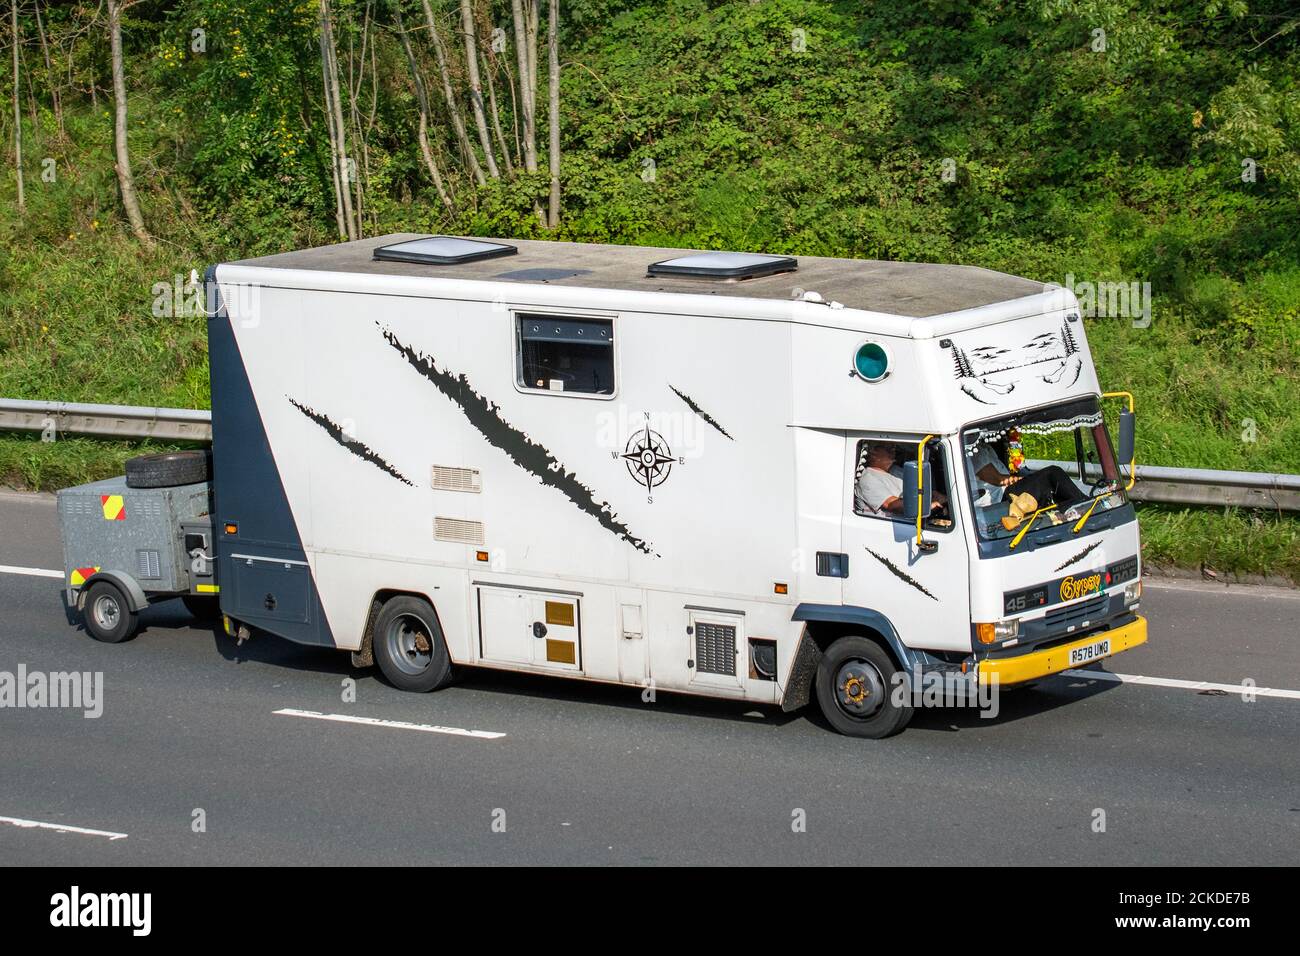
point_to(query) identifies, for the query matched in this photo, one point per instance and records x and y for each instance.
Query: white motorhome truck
(696, 471)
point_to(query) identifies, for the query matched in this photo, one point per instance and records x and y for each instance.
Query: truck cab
(993, 518)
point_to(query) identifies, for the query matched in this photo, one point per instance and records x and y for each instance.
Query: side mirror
(912, 478)
(1127, 436)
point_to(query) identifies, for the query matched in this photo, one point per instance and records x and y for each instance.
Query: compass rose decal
(648, 459)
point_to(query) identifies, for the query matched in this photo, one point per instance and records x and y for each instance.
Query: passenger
(991, 472)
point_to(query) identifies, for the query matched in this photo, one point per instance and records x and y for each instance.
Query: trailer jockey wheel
(856, 689)
(408, 645)
(107, 613)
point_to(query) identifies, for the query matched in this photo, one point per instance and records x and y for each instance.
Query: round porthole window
(871, 361)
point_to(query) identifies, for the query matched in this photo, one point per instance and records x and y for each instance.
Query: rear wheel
(856, 687)
(408, 645)
(107, 613)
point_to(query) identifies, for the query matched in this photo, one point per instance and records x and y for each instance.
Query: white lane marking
(395, 724)
(1222, 588)
(1182, 684)
(32, 572)
(61, 828)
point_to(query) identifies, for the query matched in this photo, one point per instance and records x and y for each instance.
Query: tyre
(107, 613)
(856, 689)
(168, 470)
(408, 645)
(202, 606)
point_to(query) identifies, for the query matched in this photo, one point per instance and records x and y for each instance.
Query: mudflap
(803, 672)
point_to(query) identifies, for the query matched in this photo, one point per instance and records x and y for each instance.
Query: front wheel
(408, 645)
(107, 613)
(858, 691)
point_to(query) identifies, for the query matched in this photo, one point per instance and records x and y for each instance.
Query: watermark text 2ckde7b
(78, 690)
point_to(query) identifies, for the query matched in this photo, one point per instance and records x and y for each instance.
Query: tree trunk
(334, 111)
(422, 101)
(56, 97)
(525, 71)
(339, 223)
(553, 107)
(18, 116)
(476, 86)
(125, 181)
(453, 109)
(496, 120)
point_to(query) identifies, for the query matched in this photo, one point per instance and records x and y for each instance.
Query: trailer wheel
(107, 614)
(855, 689)
(202, 606)
(409, 647)
(168, 469)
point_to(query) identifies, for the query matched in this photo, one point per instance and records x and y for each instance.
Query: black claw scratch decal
(699, 411)
(971, 392)
(485, 416)
(1078, 557)
(901, 574)
(360, 449)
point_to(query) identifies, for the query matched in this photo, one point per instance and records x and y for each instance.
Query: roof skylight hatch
(723, 265)
(443, 250)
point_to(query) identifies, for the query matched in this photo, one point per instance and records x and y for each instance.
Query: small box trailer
(139, 538)
(736, 475)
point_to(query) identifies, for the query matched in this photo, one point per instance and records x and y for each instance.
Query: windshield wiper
(1078, 525)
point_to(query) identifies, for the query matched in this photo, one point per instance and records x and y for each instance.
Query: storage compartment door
(269, 589)
(555, 631)
(505, 625)
(526, 626)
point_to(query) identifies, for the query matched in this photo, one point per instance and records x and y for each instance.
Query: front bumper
(1053, 660)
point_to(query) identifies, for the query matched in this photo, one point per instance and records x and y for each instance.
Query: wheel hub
(410, 645)
(107, 613)
(860, 689)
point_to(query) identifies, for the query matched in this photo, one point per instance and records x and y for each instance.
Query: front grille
(1076, 613)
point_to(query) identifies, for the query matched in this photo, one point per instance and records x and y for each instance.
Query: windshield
(1042, 468)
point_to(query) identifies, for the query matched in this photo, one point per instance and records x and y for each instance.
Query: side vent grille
(447, 478)
(147, 565)
(715, 648)
(458, 530)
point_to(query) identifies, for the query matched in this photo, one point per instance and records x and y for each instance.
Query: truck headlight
(1132, 592)
(997, 631)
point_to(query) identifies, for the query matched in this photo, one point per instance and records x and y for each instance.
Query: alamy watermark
(1112, 300)
(930, 689)
(76, 690)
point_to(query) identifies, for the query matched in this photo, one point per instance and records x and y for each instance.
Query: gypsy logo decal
(1073, 587)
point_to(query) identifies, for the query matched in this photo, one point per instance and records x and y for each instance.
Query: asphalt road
(590, 774)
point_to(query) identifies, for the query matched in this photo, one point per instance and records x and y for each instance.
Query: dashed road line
(1183, 684)
(391, 724)
(31, 572)
(60, 828)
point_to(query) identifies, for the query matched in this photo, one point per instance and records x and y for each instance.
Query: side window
(561, 354)
(878, 479)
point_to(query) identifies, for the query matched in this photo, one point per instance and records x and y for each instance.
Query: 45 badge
(648, 459)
